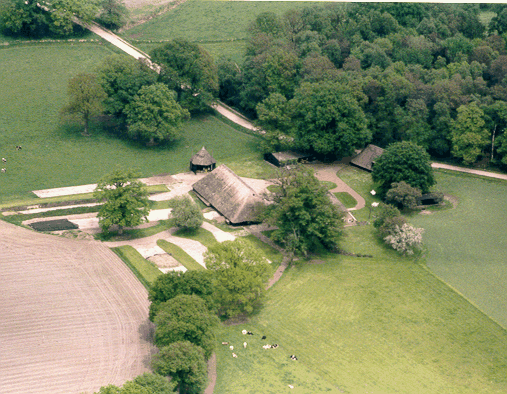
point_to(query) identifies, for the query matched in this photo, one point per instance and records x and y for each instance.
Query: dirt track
(73, 317)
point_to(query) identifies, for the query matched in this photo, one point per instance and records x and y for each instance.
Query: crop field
(56, 155)
(220, 26)
(74, 317)
(364, 325)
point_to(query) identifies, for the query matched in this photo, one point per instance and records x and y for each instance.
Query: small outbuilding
(287, 158)
(434, 198)
(202, 161)
(229, 195)
(366, 159)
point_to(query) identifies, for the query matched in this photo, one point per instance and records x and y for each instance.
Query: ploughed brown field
(73, 317)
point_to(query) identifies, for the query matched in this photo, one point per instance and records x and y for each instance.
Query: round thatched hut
(202, 161)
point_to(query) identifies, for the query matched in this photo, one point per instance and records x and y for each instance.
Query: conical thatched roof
(366, 158)
(202, 158)
(229, 195)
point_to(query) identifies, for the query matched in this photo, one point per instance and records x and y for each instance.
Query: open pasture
(365, 325)
(220, 26)
(55, 155)
(466, 246)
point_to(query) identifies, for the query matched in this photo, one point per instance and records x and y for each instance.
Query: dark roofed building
(282, 159)
(229, 195)
(366, 159)
(202, 161)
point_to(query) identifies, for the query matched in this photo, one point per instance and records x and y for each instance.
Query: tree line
(328, 79)
(39, 18)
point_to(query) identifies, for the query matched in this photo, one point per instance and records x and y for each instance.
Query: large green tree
(36, 18)
(240, 276)
(303, 212)
(172, 284)
(328, 120)
(125, 200)
(470, 135)
(186, 318)
(114, 14)
(122, 77)
(184, 362)
(86, 97)
(154, 116)
(190, 71)
(403, 162)
(186, 213)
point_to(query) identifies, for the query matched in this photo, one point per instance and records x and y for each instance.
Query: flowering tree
(405, 239)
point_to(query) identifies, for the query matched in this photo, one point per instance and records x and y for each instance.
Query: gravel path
(193, 248)
(327, 172)
(220, 235)
(488, 174)
(74, 317)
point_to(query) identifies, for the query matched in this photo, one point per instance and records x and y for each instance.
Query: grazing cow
(4, 160)
(231, 347)
(274, 346)
(291, 386)
(266, 346)
(263, 337)
(244, 345)
(293, 357)
(244, 332)
(4, 169)
(225, 343)
(18, 147)
(234, 355)
(249, 332)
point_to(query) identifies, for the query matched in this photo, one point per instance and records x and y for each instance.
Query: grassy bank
(180, 255)
(145, 271)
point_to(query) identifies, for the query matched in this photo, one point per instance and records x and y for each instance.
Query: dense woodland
(330, 78)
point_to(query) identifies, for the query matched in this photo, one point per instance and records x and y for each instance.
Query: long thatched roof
(367, 157)
(202, 158)
(229, 195)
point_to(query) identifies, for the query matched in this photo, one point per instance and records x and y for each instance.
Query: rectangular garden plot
(53, 225)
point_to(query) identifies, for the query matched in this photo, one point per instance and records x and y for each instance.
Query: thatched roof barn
(202, 161)
(229, 195)
(282, 159)
(366, 159)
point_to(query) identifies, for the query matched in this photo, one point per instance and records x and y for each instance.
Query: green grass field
(467, 246)
(365, 325)
(220, 26)
(34, 85)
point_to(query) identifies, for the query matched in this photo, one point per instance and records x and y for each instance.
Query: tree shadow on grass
(110, 128)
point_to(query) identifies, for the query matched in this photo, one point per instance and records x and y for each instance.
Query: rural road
(488, 174)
